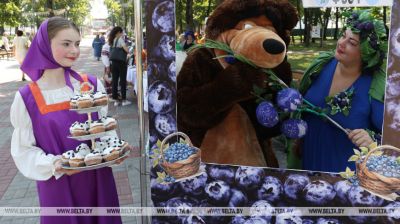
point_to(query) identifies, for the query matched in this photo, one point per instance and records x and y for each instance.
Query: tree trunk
(335, 36)
(327, 15)
(219, 1)
(50, 6)
(298, 9)
(208, 8)
(307, 27)
(384, 22)
(189, 15)
(2, 29)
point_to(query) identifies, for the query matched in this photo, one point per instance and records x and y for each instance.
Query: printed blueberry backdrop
(239, 186)
(233, 186)
(160, 41)
(391, 126)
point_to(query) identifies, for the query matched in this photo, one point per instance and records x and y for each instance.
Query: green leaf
(398, 160)
(354, 158)
(161, 175)
(155, 162)
(158, 143)
(358, 153)
(346, 112)
(364, 150)
(377, 153)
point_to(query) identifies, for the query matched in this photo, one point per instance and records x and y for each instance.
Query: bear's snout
(273, 46)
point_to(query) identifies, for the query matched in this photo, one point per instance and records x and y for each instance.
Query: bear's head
(256, 29)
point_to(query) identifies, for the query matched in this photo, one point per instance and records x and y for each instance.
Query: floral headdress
(372, 34)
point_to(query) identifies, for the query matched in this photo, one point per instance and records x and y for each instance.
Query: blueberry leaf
(354, 158)
(358, 153)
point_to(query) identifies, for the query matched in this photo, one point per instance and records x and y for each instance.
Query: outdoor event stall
(228, 185)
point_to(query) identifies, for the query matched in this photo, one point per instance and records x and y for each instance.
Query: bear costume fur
(215, 105)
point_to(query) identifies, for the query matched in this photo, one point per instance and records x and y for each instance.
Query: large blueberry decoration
(194, 186)
(342, 188)
(256, 220)
(172, 72)
(239, 219)
(359, 197)
(271, 189)
(194, 219)
(163, 17)
(178, 203)
(249, 178)
(221, 172)
(266, 114)
(165, 124)
(161, 97)
(294, 128)
(260, 210)
(212, 218)
(289, 99)
(327, 221)
(294, 186)
(393, 217)
(319, 192)
(166, 48)
(218, 192)
(285, 219)
(161, 191)
(238, 199)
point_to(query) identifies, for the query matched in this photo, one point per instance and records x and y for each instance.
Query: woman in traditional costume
(350, 84)
(41, 118)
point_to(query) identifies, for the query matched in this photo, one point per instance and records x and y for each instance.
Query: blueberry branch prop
(224, 47)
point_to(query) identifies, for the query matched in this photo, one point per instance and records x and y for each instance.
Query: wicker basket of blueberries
(380, 173)
(180, 159)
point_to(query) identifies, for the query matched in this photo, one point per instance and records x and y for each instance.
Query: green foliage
(201, 10)
(10, 13)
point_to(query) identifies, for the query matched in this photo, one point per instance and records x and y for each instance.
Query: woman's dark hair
(20, 33)
(55, 24)
(113, 33)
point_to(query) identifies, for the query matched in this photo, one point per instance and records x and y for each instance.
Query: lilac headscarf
(40, 57)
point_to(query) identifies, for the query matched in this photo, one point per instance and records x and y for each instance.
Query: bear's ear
(289, 15)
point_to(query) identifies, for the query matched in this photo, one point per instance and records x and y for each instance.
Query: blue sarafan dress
(326, 147)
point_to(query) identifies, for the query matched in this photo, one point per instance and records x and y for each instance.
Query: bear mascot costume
(216, 107)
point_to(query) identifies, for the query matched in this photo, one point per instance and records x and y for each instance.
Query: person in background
(6, 42)
(21, 46)
(189, 40)
(102, 38)
(118, 68)
(350, 84)
(105, 58)
(97, 44)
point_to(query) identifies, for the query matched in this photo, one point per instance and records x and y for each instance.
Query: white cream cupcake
(78, 129)
(73, 103)
(77, 160)
(108, 139)
(93, 158)
(110, 153)
(100, 99)
(82, 149)
(66, 156)
(109, 122)
(97, 127)
(85, 101)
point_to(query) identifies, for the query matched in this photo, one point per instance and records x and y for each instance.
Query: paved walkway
(18, 191)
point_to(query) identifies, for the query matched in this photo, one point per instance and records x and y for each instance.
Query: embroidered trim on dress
(41, 103)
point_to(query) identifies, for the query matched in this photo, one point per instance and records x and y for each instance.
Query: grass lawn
(300, 56)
